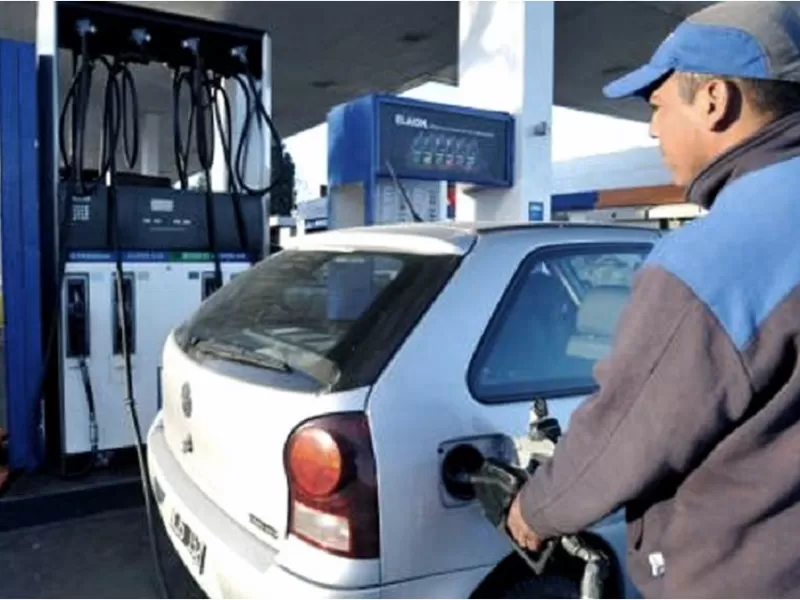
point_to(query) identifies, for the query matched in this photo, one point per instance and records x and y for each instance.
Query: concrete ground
(104, 556)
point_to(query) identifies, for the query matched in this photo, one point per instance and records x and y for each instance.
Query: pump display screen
(443, 145)
(162, 219)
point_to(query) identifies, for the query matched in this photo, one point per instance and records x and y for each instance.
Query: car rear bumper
(236, 564)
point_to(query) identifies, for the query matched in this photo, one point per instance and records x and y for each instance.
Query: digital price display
(436, 143)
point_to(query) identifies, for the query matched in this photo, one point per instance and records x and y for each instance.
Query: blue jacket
(695, 429)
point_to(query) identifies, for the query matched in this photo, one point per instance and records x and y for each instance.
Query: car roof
(441, 237)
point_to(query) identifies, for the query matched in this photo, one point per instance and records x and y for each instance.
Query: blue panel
(577, 201)
(743, 258)
(350, 140)
(421, 140)
(20, 239)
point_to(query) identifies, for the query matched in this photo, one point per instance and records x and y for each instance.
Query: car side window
(556, 320)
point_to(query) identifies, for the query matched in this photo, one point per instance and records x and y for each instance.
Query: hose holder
(140, 37)
(84, 27)
(240, 54)
(192, 45)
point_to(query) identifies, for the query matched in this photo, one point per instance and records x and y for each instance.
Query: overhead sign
(444, 143)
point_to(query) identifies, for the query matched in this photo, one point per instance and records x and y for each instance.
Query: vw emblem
(186, 400)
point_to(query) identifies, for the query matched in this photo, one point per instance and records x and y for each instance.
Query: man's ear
(720, 103)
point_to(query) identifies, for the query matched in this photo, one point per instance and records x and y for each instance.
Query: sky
(575, 134)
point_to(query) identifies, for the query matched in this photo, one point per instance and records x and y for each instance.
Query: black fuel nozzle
(542, 426)
(76, 305)
(496, 486)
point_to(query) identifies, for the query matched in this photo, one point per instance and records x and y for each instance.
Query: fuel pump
(132, 257)
(137, 260)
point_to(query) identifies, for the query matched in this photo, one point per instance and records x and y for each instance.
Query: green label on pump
(191, 257)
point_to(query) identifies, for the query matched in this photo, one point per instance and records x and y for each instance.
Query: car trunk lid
(229, 433)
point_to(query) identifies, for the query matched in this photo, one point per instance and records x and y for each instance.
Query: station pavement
(102, 556)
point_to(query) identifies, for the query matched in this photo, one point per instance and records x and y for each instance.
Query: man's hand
(519, 530)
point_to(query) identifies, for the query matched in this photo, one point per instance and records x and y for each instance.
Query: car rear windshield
(319, 319)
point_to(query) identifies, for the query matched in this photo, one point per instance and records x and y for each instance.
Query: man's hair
(767, 97)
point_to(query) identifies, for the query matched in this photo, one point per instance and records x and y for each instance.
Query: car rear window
(335, 317)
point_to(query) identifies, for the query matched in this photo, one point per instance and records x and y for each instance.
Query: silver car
(311, 405)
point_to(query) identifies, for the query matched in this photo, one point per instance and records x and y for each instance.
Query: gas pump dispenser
(123, 259)
(390, 159)
(127, 257)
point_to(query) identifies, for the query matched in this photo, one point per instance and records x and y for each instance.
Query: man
(695, 429)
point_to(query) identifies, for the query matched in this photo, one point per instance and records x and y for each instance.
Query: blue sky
(575, 134)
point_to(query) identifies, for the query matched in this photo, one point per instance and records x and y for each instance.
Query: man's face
(682, 130)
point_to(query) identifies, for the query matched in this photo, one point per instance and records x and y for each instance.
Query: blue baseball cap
(755, 40)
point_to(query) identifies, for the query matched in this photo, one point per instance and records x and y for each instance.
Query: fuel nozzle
(76, 307)
(541, 426)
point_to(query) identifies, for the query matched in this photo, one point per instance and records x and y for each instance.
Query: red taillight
(315, 461)
(332, 486)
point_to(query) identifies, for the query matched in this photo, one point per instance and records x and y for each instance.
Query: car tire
(547, 586)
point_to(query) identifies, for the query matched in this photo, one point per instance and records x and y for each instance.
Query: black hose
(219, 95)
(200, 113)
(77, 100)
(206, 91)
(121, 109)
(401, 188)
(181, 150)
(202, 99)
(256, 113)
(120, 90)
(93, 431)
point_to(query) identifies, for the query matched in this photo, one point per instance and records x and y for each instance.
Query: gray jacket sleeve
(672, 386)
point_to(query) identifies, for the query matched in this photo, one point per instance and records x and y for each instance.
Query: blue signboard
(574, 201)
(372, 136)
(445, 143)
(535, 211)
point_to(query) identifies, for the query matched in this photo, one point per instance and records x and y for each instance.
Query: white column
(151, 130)
(505, 63)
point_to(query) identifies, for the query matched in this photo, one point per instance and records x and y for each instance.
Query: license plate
(190, 541)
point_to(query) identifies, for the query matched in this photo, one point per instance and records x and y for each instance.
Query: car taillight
(333, 489)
